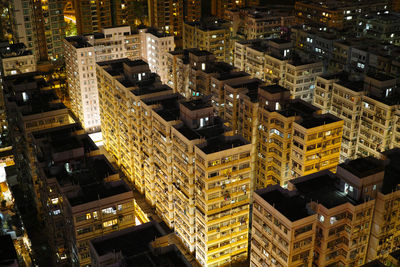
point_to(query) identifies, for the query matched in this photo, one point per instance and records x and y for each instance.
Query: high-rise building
(275, 62)
(334, 14)
(187, 134)
(16, 59)
(219, 7)
(369, 108)
(291, 137)
(92, 15)
(81, 193)
(154, 46)
(326, 219)
(169, 15)
(259, 22)
(31, 106)
(381, 26)
(82, 54)
(211, 34)
(40, 26)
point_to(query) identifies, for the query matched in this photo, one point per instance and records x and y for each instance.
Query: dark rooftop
(7, 251)
(207, 132)
(98, 191)
(221, 143)
(91, 170)
(131, 241)
(380, 76)
(232, 75)
(78, 41)
(356, 86)
(318, 120)
(292, 206)
(196, 104)
(298, 107)
(363, 167)
(14, 50)
(137, 62)
(273, 89)
(321, 187)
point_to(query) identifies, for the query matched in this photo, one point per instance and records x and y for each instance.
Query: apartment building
(183, 67)
(154, 133)
(291, 137)
(155, 45)
(82, 54)
(368, 107)
(275, 62)
(57, 151)
(219, 8)
(211, 34)
(40, 26)
(16, 59)
(255, 22)
(358, 55)
(333, 14)
(31, 106)
(346, 218)
(381, 25)
(222, 205)
(82, 84)
(263, 58)
(316, 222)
(92, 16)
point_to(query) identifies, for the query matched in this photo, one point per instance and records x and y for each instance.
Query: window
(110, 210)
(110, 223)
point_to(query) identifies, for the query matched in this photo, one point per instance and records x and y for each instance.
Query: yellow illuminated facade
(176, 153)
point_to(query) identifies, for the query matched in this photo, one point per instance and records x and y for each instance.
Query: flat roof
(318, 120)
(292, 206)
(363, 167)
(206, 132)
(221, 143)
(98, 191)
(356, 86)
(196, 104)
(321, 187)
(274, 89)
(78, 41)
(131, 241)
(297, 107)
(92, 170)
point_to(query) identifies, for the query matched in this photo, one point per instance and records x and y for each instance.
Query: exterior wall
(222, 205)
(82, 84)
(300, 80)
(18, 65)
(92, 16)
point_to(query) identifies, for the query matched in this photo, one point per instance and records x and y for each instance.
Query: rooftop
(222, 143)
(374, 263)
(98, 191)
(363, 167)
(196, 104)
(298, 107)
(14, 50)
(321, 187)
(131, 241)
(273, 89)
(82, 172)
(78, 41)
(206, 132)
(292, 206)
(317, 120)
